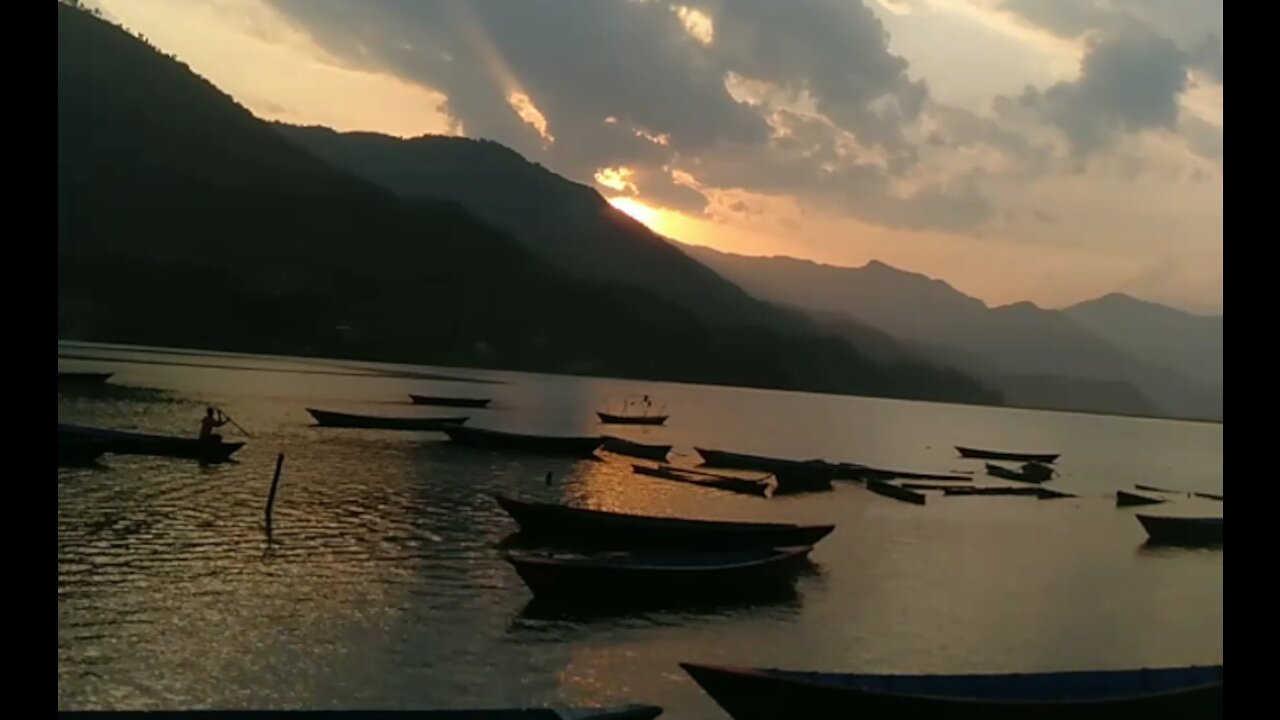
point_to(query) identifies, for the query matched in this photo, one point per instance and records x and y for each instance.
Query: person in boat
(213, 418)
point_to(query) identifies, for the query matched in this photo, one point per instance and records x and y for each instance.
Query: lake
(381, 586)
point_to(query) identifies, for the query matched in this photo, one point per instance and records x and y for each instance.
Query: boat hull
(741, 486)
(1182, 531)
(888, 489)
(1015, 475)
(449, 401)
(1128, 499)
(980, 454)
(619, 446)
(611, 419)
(583, 447)
(757, 694)
(327, 418)
(643, 579)
(118, 442)
(595, 529)
(793, 475)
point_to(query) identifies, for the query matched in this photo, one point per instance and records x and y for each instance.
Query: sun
(638, 210)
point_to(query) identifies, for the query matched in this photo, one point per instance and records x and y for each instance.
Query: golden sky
(987, 143)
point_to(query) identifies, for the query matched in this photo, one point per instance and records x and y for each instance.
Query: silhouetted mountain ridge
(185, 221)
(1033, 354)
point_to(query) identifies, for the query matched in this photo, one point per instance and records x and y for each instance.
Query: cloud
(1128, 83)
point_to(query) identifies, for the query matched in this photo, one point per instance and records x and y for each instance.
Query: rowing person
(208, 423)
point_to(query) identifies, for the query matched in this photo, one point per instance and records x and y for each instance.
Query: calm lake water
(381, 586)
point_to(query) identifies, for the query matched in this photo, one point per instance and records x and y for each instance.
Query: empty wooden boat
(611, 419)
(328, 418)
(742, 486)
(980, 454)
(449, 401)
(1190, 693)
(82, 379)
(992, 490)
(1171, 530)
(1028, 473)
(620, 712)
(642, 577)
(599, 529)
(120, 442)
(866, 472)
(622, 446)
(73, 452)
(1153, 488)
(533, 444)
(1125, 498)
(913, 485)
(793, 476)
(897, 492)
(1209, 496)
(1045, 493)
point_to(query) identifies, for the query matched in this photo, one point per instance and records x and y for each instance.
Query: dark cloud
(1194, 25)
(1127, 83)
(634, 62)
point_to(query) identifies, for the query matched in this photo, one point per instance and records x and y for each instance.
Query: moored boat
(1209, 496)
(1028, 473)
(980, 454)
(643, 577)
(793, 476)
(611, 419)
(1125, 498)
(73, 452)
(897, 492)
(569, 446)
(866, 472)
(82, 379)
(120, 442)
(449, 401)
(1193, 692)
(599, 529)
(1172, 530)
(622, 446)
(328, 418)
(964, 491)
(742, 486)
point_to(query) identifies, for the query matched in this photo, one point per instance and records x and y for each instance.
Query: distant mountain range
(184, 220)
(1115, 354)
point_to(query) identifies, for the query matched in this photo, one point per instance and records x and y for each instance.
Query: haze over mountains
(1113, 354)
(184, 220)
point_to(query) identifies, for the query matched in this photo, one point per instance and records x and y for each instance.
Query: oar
(234, 424)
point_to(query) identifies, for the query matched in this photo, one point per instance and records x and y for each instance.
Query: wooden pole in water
(275, 482)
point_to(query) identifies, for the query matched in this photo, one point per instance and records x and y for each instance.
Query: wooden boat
(897, 492)
(449, 401)
(533, 444)
(82, 379)
(911, 485)
(625, 416)
(121, 442)
(1029, 473)
(979, 454)
(642, 577)
(992, 490)
(1126, 499)
(621, 712)
(328, 418)
(611, 419)
(792, 475)
(742, 486)
(1189, 693)
(1045, 493)
(865, 472)
(1209, 496)
(621, 446)
(1153, 488)
(580, 527)
(73, 452)
(1170, 530)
